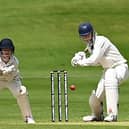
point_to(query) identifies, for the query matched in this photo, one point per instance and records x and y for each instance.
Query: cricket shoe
(91, 118)
(30, 120)
(110, 118)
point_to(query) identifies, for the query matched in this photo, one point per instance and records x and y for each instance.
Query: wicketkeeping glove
(8, 70)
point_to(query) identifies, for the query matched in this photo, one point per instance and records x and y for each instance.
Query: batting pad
(95, 105)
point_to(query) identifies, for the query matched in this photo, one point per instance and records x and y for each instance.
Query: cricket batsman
(104, 53)
(10, 78)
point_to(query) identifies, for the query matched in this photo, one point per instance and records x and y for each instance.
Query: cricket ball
(72, 87)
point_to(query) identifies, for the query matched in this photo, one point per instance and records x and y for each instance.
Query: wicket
(58, 74)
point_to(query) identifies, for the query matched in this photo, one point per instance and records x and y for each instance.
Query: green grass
(45, 35)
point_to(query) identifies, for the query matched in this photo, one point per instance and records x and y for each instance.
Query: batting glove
(81, 55)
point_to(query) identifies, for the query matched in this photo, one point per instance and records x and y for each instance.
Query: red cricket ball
(72, 87)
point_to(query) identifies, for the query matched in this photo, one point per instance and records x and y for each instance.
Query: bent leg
(96, 103)
(96, 106)
(21, 95)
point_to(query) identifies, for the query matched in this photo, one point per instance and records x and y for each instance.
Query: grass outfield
(46, 38)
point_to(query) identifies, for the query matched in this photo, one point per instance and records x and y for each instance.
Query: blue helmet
(7, 43)
(85, 29)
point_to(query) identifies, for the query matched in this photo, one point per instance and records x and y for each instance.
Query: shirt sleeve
(100, 47)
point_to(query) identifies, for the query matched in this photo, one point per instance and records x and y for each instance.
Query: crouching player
(10, 78)
(104, 53)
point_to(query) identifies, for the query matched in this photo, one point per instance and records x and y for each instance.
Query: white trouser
(20, 93)
(108, 86)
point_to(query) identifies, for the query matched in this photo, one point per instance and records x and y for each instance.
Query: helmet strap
(92, 40)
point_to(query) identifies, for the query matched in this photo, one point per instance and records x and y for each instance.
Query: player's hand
(74, 62)
(81, 55)
(77, 58)
(8, 70)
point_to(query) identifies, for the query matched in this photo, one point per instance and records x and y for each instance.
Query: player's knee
(23, 90)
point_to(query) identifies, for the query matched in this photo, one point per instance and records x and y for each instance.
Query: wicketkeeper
(10, 78)
(104, 53)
